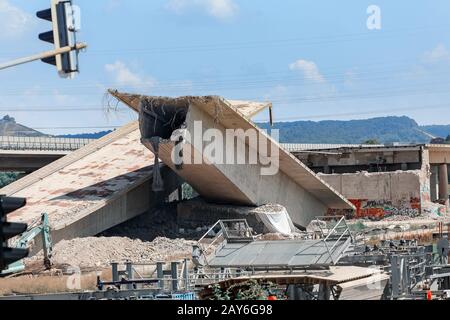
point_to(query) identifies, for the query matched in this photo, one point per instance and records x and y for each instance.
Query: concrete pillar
(186, 274)
(115, 271)
(174, 274)
(160, 274)
(434, 183)
(443, 183)
(324, 292)
(129, 271)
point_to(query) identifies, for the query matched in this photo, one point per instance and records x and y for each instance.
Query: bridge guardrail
(42, 143)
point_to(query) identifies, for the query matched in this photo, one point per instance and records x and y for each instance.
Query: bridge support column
(443, 183)
(434, 182)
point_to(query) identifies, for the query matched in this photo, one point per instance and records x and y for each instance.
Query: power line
(350, 114)
(242, 84)
(243, 80)
(317, 116)
(213, 89)
(231, 77)
(250, 44)
(286, 100)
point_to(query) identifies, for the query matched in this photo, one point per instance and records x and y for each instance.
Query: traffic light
(65, 18)
(10, 230)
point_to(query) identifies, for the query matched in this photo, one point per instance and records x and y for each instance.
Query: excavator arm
(26, 240)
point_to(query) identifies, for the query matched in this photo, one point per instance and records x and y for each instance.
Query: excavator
(42, 228)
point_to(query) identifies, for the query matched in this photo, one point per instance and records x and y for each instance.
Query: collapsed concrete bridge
(94, 188)
(109, 181)
(165, 123)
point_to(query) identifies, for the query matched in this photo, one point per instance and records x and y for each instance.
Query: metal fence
(42, 143)
(298, 147)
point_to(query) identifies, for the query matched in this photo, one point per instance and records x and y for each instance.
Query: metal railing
(333, 232)
(42, 143)
(330, 235)
(225, 233)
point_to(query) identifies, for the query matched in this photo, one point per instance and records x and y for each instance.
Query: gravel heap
(95, 252)
(269, 208)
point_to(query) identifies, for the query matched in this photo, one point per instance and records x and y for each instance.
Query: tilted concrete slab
(295, 186)
(94, 188)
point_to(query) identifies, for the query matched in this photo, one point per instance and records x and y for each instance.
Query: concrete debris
(270, 208)
(99, 252)
(161, 222)
(197, 212)
(316, 226)
(434, 211)
(269, 218)
(280, 236)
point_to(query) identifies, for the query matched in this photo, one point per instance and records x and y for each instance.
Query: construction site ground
(156, 236)
(149, 238)
(422, 229)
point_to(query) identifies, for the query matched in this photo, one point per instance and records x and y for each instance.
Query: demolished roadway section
(94, 188)
(295, 186)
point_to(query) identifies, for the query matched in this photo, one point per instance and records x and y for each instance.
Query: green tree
(371, 142)
(188, 192)
(249, 290)
(7, 178)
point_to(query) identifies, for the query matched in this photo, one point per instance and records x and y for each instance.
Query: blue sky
(314, 59)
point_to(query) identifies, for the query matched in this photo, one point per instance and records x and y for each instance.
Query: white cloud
(309, 69)
(124, 76)
(220, 9)
(13, 20)
(113, 5)
(438, 54)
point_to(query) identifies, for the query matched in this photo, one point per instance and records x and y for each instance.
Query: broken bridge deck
(295, 186)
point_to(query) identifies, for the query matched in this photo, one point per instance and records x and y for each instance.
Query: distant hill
(383, 129)
(96, 135)
(9, 127)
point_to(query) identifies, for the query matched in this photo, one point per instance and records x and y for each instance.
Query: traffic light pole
(43, 55)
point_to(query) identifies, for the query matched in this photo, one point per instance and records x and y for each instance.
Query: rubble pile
(95, 252)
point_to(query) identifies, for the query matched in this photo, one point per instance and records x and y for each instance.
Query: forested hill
(383, 130)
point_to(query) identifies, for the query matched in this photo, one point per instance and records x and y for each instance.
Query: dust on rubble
(93, 252)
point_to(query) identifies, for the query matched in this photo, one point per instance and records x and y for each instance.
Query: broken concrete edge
(140, 188)
(198, 212)
(287, 160)
(246, 109)
(59, 164)
(269, 106)
(137, 199)
(100, 204)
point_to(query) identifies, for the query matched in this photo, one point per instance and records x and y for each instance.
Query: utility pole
(43, 55)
